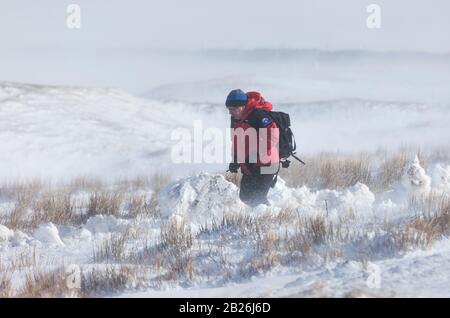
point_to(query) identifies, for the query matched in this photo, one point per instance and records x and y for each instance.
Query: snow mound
(202, 198)
(415, 180)
(5, 233)
(357, 198)
(441, 178)
(84, 234)
(103, 224)
(48, 233)
(199, 198)
(284, 197)
(20, 239)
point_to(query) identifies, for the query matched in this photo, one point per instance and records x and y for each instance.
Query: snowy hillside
(62, 132)
(65, 132)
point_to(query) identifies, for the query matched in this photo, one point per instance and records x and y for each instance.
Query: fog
(196, 50)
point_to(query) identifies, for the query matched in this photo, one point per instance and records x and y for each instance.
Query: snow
(117, 135)
(441, 178)
(416, 274)
(102, 224)
(5, 233)
(205, 197)
(200, 198)
(60, 133)
(415, 179)
(20, 239)
(48, 233)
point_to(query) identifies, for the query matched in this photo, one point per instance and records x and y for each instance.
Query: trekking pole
(298, 159)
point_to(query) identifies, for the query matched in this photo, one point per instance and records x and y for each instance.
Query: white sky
(406, 24)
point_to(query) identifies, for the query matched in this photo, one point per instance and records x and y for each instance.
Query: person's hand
(233, 167)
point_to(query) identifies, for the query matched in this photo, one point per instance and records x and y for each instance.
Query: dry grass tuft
(53, 284)
(6, 290)
(234, 178)
(105, 203)
(418, 233)
(174, 253)
(159, 180)
(112, 249)
(99, 281)
(267, 254)
(142, 205)
(53, 206)
(391, 170)
(329, 171)
(56, 207)
(431, 221)
(28, 258)
(365, 293)
(111, 279)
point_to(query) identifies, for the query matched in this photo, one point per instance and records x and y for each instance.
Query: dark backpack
(287, 144)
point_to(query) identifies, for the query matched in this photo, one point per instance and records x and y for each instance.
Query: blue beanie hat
(236, 98)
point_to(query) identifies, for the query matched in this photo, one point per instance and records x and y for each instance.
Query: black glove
(233, 167)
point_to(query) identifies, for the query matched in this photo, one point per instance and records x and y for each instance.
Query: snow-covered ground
(201, 241)
(416, 274)
(105, 215)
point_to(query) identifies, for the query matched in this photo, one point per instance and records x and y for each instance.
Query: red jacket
(255, 116)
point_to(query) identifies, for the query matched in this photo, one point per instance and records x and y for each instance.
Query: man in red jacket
(255, 137)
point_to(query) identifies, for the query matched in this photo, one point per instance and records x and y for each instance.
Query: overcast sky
(412, 25)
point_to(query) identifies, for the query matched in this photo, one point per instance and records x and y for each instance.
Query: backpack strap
(294, 144)
(259, 118)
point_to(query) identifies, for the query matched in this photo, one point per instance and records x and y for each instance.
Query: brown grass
(23, 195)
(52, 284)
(105, 203)
(391, 170)
(310, 235)
(111, 279)
(5, 285)
(98, 281)
(173, 254)
(32, 204)
(234, 178)
(366, 293)
(112, 249)
(159, 180)
(267, 254)
(329, 171)
(142, 205)
(431, 221)
(57, 208)
(339, 171)
(52, 206)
